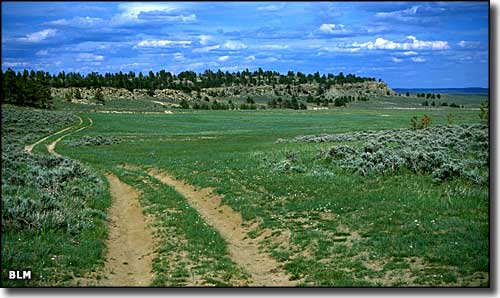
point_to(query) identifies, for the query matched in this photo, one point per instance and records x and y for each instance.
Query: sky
(406, 44)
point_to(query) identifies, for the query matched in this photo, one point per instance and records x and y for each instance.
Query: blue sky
(406, 44)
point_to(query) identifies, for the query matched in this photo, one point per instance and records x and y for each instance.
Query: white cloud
(137, 12)
(186, 19)
(233, 68)
(162, 43)
(223, 58)
(39, 36)
(418, 59)
(397, 60)
(469, 44)
(42, 53)
(166, 17)
(415, 44)
(87, 57)
(410, 53)
(235, 45)
(79, 22)
(178, 56)
(340, 49)
(412, 12)
(379, 44)
(332, 28)
(204, 39)
(14, 64)
(272, 7)
(206, 49)
(131, 10)
(275, 47)
(270, 59)
(251, 58)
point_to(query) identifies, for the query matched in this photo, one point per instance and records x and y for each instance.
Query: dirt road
(264, 270)
(29, 148)
(130, 242)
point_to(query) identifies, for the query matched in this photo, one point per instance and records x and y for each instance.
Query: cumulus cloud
(418, 59)
(235, 45)
(396, 60)
(332, 28)
(204, 39)
(88, 57)
(415, 44)
(223, 58)
(39, 36)
(410, 53)
(140, 12)
(132, 10)
(251, 58)
(162, 43)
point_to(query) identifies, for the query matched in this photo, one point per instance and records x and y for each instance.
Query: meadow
(325, 225)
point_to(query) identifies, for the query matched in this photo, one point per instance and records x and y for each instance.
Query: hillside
(250, 87)
(356, 90)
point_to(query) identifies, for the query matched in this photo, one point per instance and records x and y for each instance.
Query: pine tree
(99, 97)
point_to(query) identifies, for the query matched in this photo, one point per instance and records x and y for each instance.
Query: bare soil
(51, 147)
(130, 242)
(29, 148)
(244, 251)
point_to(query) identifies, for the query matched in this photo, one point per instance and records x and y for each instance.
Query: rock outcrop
(365, 89)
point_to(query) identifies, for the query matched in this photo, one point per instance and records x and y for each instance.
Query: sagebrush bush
(442, 151)
(93, 141)
(44, 192)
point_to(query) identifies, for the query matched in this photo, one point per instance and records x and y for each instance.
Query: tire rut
(51, 147)
(264, 270)
(29, 148)
(130, 243)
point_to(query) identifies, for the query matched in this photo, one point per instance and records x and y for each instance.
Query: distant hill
(474, 90)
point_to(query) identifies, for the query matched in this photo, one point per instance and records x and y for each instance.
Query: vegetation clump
(52, 207)
(442, 151)
(93, 141)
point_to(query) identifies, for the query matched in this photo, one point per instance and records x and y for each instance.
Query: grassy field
(327, 226)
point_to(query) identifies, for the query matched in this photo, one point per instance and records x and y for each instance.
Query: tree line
(31, 87)
(186, 80)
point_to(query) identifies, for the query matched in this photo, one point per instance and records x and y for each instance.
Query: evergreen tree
(184, 104)
(99, 97)
(78, 94)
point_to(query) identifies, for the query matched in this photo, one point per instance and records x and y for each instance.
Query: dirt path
(264, 270)
(130, 243)
(29, 148)
(51, 147)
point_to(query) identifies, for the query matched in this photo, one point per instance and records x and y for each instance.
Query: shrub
(93, 141)
(444, 152)
(425, 121)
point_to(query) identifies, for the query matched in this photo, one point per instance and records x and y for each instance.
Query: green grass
(186, 241)
(53, 209)
(343, 221)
